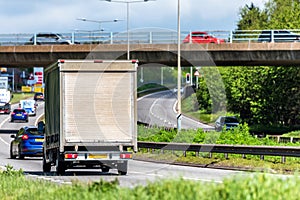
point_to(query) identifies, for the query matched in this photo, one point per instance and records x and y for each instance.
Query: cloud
(19, 16)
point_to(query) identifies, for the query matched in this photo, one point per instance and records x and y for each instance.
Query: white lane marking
(201, 179)
(53, 180)
(5, 120)
(38, 118)
(187, 178)
(140, 98)
(1, 139)
(4, 141)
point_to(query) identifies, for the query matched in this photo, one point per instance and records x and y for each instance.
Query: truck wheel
(105, 169)
(60, 168)
(12, 156)
(122, 168)
(60, 165)
(46, 166)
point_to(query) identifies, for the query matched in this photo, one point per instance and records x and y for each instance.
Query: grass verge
(15, 186)
(20, 96)
(250, 163)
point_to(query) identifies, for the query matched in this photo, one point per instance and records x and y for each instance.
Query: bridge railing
(150, 37)
(14, 39)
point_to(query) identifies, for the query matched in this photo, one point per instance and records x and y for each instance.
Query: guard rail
(141, 36)
(282, 151)
(284, 139)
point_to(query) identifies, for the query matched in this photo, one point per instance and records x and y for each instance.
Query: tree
(264, 94)
(251, 18)
(273, 92)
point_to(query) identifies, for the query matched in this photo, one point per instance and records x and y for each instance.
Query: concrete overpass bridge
(227, 54)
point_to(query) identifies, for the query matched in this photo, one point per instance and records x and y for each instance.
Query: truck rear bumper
(96, 159)
(94, 164)
(96, 156)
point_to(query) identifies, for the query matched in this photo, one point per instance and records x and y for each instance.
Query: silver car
(48, 39)
(228, 121)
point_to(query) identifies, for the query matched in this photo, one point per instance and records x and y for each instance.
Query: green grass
(150, 88)
(14, 186)
(250, 162)
(238, 136)
(292, 134)
(191, 108)
(19, 96)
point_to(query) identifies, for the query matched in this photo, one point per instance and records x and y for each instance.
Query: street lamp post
(196, 74)
(179, 71)
(127, 3)
(98, 21)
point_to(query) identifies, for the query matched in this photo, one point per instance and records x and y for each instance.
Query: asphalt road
(139, 172)
(160, 109)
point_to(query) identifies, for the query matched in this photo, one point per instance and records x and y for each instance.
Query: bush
(271, 129)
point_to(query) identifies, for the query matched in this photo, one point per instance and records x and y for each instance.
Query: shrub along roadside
(238, 136)
(15, 186)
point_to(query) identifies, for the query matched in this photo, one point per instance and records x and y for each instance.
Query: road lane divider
(1, 139)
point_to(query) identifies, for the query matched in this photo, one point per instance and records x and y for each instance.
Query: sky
(61, 16)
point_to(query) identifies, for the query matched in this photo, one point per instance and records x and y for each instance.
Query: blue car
(27, 142)
(19, 114)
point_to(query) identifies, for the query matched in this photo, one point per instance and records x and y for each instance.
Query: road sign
(187, 78)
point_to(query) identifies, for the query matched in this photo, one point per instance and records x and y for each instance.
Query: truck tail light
(71, 156)
(125, 155)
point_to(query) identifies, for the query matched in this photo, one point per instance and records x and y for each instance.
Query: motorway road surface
(139, 172)
(159, 109)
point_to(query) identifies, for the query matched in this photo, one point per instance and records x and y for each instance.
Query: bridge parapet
(228, 54)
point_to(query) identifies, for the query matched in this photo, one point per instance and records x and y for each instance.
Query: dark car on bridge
(278, 36)
(228, 122)
(27, 142)
(202, 37)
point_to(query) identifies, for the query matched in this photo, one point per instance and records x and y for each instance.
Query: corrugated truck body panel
(97, 103)
(90, 114)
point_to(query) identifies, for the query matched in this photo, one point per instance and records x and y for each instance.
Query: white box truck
(29, 106)
(90, 115)
(5, 97)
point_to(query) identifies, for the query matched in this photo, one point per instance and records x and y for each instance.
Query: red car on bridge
(202, 37)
